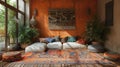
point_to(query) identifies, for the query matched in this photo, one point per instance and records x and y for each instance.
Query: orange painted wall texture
(81, 13)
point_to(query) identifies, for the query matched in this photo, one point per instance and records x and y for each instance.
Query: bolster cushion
(54, 45)
(36, 47)
(68, 45)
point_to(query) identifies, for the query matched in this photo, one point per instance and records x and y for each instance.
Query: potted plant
(96, 34)
(26, 35)
(96, 30)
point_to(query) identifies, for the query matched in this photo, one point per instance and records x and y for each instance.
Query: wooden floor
(4, 64)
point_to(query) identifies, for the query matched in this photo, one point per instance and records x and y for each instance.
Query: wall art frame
(62, 18)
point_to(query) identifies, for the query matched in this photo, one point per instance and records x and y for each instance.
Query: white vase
(33, 21)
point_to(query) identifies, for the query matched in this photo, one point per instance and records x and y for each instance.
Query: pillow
(81, 41)
(50, 40)
(63, 40)
(43, 40)
(57, 38)
(71, 39)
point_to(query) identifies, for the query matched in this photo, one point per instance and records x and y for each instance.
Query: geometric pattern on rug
(75, 56)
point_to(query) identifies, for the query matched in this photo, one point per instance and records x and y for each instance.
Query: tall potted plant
(96, 33)
(26, 35)
(96, 30)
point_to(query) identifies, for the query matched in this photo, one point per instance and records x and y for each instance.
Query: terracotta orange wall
(81, 7)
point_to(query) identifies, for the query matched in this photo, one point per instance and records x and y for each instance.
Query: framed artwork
(60, 19)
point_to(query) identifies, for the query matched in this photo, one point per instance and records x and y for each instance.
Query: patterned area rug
(75, 56)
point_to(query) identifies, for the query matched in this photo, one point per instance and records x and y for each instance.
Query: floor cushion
(112, 56)
(71, 39)
(36, 47)
(96, 48)
(68, 45)
(54, 45)
(11, 56)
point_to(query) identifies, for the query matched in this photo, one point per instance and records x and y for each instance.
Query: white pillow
(36, 47)
(68, 45)
(54, 45)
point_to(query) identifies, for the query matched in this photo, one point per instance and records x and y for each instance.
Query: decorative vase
(33, 21)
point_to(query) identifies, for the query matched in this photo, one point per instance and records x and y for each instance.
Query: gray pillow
(57, 38)
(63, 40)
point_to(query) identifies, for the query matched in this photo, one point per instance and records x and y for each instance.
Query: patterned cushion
(112, 56)
(43, 40)
(81, 41)
(49, 40)
(63, 40)
(71, 39)
(11, 56)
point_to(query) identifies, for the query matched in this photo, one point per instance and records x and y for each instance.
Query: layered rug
(61, 58)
